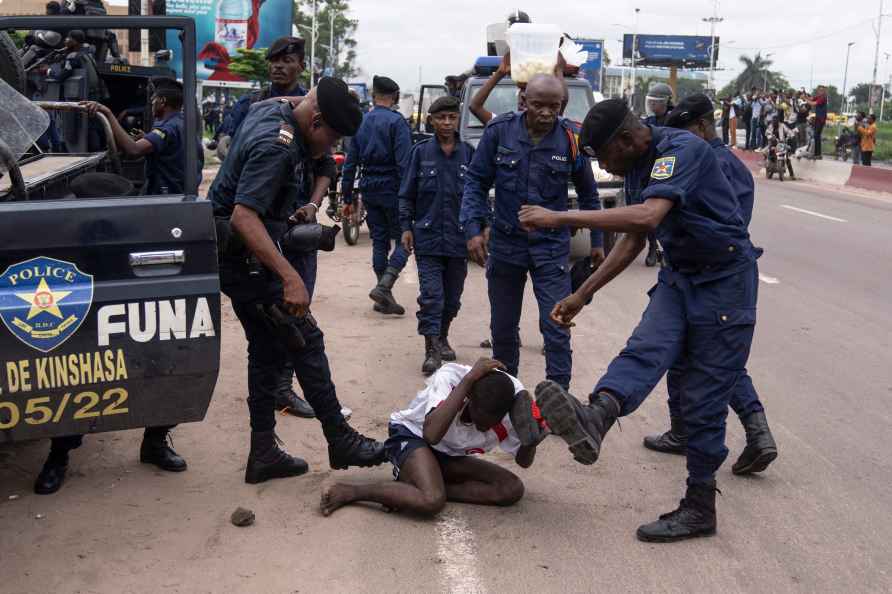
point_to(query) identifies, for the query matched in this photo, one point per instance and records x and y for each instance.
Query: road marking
(768, 280)
(813, 213)
(457, 548)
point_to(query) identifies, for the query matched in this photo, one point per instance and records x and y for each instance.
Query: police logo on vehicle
(43, 301)
(664, 167)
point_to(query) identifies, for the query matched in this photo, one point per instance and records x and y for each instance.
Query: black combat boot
(268, 461)
(382, 294)
(376, 307)
(52, 475)
(447, 353)
(582, 427)
(347, 447)
(432, 355)
(156, 449)
(760, 450)
(694, 517)
(288, 401)
(674, 441)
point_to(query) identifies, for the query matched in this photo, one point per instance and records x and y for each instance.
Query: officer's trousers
(382, 216)
(306, 266)
(441, 281)
(710, 327)
(551, 283)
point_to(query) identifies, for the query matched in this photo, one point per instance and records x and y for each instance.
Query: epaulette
(502, 117)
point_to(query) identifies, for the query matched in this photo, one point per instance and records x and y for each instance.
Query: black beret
(601, 123)
(339, 108)
(447, 103)
(689, 110)
(77, 35)
(286, 45)
(100, 185)
(384, 85)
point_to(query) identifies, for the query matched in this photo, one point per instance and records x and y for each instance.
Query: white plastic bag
(534, 50)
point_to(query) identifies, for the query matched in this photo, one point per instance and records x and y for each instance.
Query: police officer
(702, 310)
(530, 157)
(381, 149)
(164, 146)
(79, 57)
(657, 105)
(695, 114)
(286, 59)
(253, 196)
(430, 200)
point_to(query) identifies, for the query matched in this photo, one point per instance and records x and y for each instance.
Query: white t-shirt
(461, 439)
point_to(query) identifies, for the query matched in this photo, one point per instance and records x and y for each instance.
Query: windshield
(504, 99)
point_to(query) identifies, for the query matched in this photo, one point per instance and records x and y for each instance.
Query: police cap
(384, 86)
(339, 108)
(286, 45)
(601, 124)
(100, 185)
(689, 110)
(447, 103)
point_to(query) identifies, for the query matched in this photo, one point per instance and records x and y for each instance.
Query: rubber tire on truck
(11, 69)
(351, 233)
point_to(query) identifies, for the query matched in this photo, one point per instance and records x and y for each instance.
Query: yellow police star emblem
(43, 299)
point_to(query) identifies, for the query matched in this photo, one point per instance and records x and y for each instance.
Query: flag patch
(664, 167)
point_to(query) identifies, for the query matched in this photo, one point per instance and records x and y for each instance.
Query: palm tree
(756, 73)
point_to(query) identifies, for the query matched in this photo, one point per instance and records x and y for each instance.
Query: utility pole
(883, 96)
(876, 57)
(713, 21)
(332, 57)
(845, 78)
(634, 61)
(314, 35)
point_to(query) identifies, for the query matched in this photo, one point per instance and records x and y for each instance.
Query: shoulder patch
(502, 117)
(286, 134)
(664, 167)
(161, 133)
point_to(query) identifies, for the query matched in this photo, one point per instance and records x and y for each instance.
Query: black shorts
(401, 442)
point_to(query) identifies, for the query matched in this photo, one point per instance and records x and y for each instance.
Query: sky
(807, 38)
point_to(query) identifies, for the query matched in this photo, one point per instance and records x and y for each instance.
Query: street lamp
(713, 20)
(845, 77)
(634, 59)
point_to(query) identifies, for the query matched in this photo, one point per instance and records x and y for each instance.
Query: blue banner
(688, 51)
(222, 27)
(591, 69)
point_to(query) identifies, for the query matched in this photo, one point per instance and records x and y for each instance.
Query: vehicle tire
(351, 233)
(11, 69)
(769, 172)
(780, 174)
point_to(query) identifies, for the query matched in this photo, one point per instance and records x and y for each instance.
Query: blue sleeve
(236, 116)
(267, 166)
(409, 190)
(677, 172)
(587, 193)
(348, 172)
(162, 136)
(475, 209)
(402, 145)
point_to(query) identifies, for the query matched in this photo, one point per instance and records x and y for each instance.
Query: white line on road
(813, 213)
(457, 548)
(768, 280)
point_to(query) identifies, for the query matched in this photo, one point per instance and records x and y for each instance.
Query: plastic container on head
(534, 50)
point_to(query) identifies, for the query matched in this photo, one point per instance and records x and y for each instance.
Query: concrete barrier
(877, 179)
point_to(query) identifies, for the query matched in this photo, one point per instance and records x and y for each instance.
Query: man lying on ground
(461, 412)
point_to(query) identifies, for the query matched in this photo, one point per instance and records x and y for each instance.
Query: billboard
(688, 51)
(224, 26)
(591, 69)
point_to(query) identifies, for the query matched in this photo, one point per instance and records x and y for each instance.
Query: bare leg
(419, 489)
(472, 480)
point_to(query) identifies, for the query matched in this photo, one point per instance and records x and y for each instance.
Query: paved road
(818, 521)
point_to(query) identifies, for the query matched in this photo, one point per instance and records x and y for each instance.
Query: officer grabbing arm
(255, 193)
(381, 150)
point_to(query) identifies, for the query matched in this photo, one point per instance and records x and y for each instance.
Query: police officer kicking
(256, 191)
(381, 149)
(286, 59)
(530, 157)
(430, 200)
(696, 115)
(657, 105)
(702, 311)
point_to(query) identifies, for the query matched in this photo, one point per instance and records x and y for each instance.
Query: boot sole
(346, 465)
(254, 480)
(681, 452)
(384, 304)
(164, 468)
(560, 414)
(761, 462)
(643, 537)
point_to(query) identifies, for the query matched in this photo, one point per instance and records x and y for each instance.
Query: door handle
(157, 258)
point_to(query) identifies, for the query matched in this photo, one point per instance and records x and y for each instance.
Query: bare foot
(335, 496)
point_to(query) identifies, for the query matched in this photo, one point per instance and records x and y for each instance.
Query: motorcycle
(335, 210)
(843, 144)
(776, 159)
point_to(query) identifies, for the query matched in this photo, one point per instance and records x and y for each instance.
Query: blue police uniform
(259, 173)
(430, 201)
(166, 163)
(702, 311)
(527, 173)
(233, 120)
(381, 149)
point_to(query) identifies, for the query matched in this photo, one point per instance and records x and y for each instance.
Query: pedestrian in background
(868, 134)
(819, 103)
(726, 118)
(860, 117)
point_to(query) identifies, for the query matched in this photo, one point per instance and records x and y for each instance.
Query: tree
(250, 64)
(340, 62)
(755, 73)
(861, 92)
